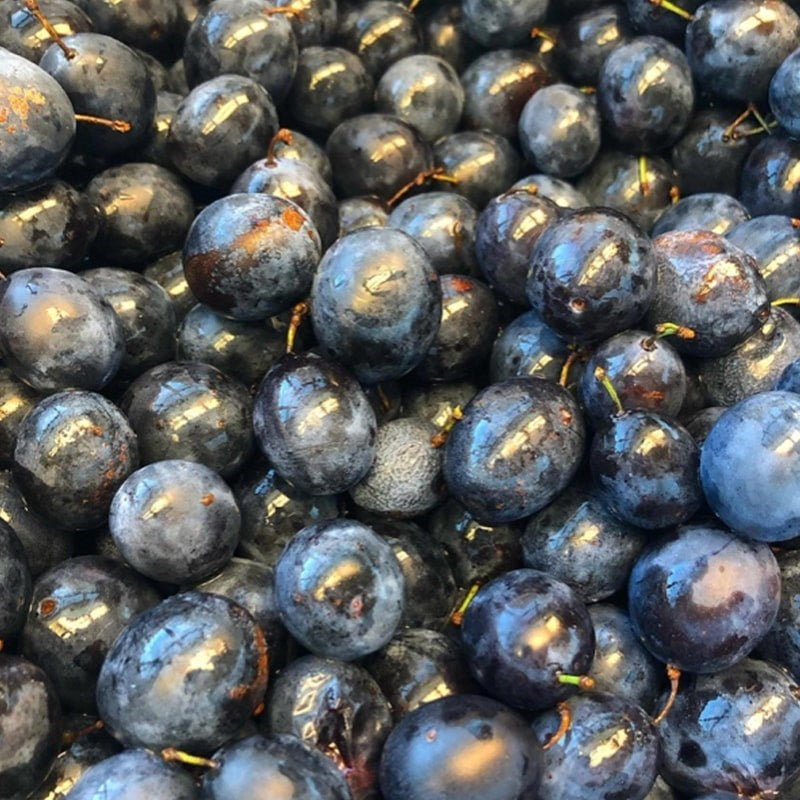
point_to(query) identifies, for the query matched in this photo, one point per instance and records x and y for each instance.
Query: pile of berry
(399, 402)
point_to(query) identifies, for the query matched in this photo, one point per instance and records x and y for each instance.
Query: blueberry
(250, 256)
(769, 181)
(175, 521)
(502, 23)
(32, 154)
(16, 400)
(24, 35)
(783, 94)
(187, 673)
(315, 424)
(701, 598)
(709, 211)
(424, 755)
(74, 449)
(376, 303)
(517, 447)
(339, 589)
(16, 583)
(103, 596)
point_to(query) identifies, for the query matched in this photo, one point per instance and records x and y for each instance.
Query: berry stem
(760, 119)
(675, 9)
(730, 132)
(674, 194)
(116, 125)
(33, 7)
(563, 727)
(299, 313)
(172, 754)
(563, 377)
(457, 617)
(601, 375)
(539, 33)
(68, 737)
(786, 301)
(436, 174)
(673, 329)
(283, 135)
(585, 682)
(674, 675)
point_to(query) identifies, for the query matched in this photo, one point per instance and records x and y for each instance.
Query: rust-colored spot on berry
(566, 416)
(238, 692)
(293, 218)
(96, 430)
(207, 499)
(461, 284)
(430, 735)
(47, 607)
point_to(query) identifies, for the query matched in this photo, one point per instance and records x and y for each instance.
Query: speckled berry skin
(734, 47)
(641, 111)
(645, 467)
(203, 416)
(516, 448)
(345, 615)
(623, 274)
(251, 256)
(315, 424)
(187, 673)
(73, 451)
(709, 285)
(435, 738)
(33, 155)
(707, 743)
(503, 652)
(50, 226)
(42, 309)
(376, 303)
(703, 578)
(750, 467)
(134, 774)
(271, 766)
(405, 479)
(175, 521)
(337, 708)
(15, 582)
(30, 719)
(581, 764)
(123, 89)
(103, 594)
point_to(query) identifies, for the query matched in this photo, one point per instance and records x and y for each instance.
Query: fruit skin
(134, 774)
(520, 632)
(701, 598)
(73, 451)
(105, 595)
(42, 311)
(15, 582)
(30, 727)
(32, 155)
(260, 768)
(251, 256)
(175, 521)
(622, 283)
(315, 424)
(337, 708)
(187, 673)
(736, 730)
(582, 764)
(339, 589)
(517, 447)
(376, 303)
(424, 756)
(750, 467)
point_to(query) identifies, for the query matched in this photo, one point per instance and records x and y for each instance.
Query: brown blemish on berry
(47, 607)
(293, 218)
(461, 284)
(207, 499)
